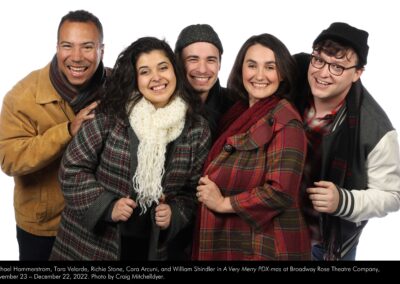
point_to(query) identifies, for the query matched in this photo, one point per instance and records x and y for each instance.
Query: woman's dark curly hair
(286, 67)
(122, 88)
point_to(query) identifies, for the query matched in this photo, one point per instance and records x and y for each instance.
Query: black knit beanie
(197, 33)
(347, 35)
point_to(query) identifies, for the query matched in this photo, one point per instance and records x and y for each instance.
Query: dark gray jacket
(361, 156)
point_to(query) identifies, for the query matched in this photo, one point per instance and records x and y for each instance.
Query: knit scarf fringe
(155, 128)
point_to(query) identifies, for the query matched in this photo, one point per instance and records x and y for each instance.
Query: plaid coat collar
(262, 131)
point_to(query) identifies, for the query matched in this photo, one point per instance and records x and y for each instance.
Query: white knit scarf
(155, 128)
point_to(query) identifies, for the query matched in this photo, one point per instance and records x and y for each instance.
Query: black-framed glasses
(334, 69)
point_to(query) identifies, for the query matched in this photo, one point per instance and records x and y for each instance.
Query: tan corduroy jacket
(33, 136)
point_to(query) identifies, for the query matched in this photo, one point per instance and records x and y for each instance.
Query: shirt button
(228, 148)
(271, 121)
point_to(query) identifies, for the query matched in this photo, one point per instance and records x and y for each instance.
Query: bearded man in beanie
(199, 50)
(352, 171)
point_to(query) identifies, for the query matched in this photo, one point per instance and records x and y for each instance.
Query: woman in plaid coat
(250, 189)
(129, 177)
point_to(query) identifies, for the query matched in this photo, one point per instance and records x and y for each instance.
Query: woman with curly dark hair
(129, 177)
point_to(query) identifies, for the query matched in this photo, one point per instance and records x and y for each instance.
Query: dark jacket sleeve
(100, 211)
(302, 87)
(83, 194)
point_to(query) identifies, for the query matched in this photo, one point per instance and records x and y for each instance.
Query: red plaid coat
(261, 172)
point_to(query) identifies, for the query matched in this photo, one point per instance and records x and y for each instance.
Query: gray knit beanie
(197, 33)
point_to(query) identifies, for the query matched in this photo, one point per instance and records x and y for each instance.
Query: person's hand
(123, 209)
(209, 194)
(163, 214)
(324, 196)
(84, 114)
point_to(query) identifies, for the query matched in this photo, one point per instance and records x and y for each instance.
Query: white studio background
(28, 31)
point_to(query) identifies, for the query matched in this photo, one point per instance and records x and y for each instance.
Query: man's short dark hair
(81, 16)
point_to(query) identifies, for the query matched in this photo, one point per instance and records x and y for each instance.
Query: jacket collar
(213, 95)
(46, 94)
(262, 132)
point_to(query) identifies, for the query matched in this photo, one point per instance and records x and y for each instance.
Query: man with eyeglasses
(39, 117)
(352, 171)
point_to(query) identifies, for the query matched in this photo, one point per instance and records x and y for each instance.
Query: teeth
(157, 88)
(322, 83)
(258, 85)
(202, 79)
(77, 69)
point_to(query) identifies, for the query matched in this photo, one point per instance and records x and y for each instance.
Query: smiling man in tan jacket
(39, 117)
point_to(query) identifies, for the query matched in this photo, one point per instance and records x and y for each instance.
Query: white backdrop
(28, 32)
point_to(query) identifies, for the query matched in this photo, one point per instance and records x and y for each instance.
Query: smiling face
(156, 77)
(202, 64)
(79, 51)
(260, 73)
(329, 89)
